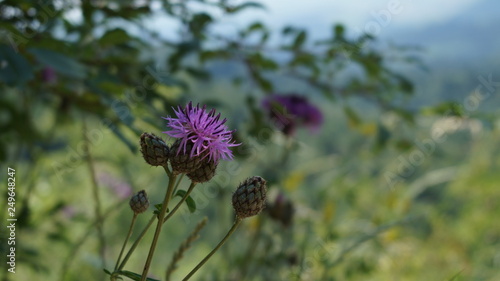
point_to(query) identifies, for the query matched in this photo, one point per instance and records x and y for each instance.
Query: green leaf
(339, 31)
(199, 23)
(256, 26)
(128, 12)
(106, 271)
(404, 84)
(14, 68)
(300, 39)
(383, 135)
(189, 201)
(372, 63)
(134, 276)
(258, 123)
(62, 64)
(182, 50)
(158, 207)
(352, 117)
(288, 30)
(198, 73)
(263, 62)
(244, 6)
(114, 37)
(213, 54)
(445, 108)
(263, 83)
(307, 60)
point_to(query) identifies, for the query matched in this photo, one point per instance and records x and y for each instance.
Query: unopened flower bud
(139, 203)
(249, 199)
(154, 150)
(181, 159)
(204, 173)
(282, 210)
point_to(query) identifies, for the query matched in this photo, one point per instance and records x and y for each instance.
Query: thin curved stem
(202, 262)
(138, 240)
(126, 240)
(167, 170)
(190, 189)
(178, 183)
(77, 245)
(161, 215)
(131, 250)
(252, 246)
(95, 194)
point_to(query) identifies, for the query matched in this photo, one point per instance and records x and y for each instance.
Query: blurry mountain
(456, 51)
(468, 38)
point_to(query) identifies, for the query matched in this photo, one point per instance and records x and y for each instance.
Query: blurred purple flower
(119, 187)
(49, 75)
(204, 131)
(290, 111)
(281, 210)
(68, 211)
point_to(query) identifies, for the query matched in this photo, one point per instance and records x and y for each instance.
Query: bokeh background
(380, 150)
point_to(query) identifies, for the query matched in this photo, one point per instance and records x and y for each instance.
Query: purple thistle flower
(119, 187)
(49, 75)
(68, 211)
(291, 110)
(204, 131)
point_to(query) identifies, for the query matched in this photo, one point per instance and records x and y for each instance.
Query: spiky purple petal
(205, 131)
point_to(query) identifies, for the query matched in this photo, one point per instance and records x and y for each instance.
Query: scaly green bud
(204, 173)
(250, 197)
(139, 203)
(181, 160)
(154, 150)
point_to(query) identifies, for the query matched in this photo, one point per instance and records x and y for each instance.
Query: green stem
(129, 253)
(233, 228)
(138, 240)
(161, 215)
(252, 246)
(167, 170)
(190, 189)
(95, 194)
(77, 245)
(286, 151)
(126, 239)
(178, 183)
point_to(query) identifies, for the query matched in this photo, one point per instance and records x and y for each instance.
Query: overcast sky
(319, 15)
(378, 17)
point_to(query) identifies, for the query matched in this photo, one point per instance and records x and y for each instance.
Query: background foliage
(377, 195)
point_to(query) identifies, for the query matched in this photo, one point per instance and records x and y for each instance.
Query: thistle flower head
(203, 131)
(290, 111)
